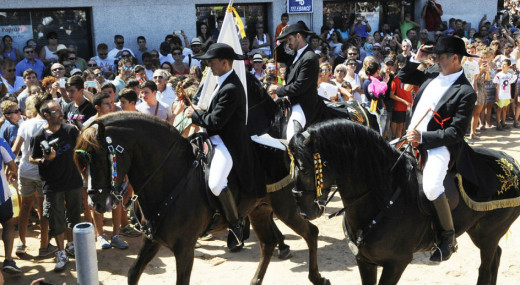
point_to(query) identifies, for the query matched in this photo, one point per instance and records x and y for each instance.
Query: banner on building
(20, 34)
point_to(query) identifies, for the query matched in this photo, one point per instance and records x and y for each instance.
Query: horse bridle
(318, 172)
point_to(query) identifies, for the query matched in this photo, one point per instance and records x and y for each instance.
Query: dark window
(73, 26)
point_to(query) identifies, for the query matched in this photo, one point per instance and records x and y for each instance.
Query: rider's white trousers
(298, 115)
(434, 172)
(220, 168)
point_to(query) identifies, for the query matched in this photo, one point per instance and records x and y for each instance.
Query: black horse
(385, 227)
(157, 160)
(312, 207)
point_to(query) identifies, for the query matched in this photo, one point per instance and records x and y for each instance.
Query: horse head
(309, 173)
(96, 159)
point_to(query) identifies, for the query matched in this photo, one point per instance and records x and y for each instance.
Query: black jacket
(302, 83)
(226, 117)
(456, 104)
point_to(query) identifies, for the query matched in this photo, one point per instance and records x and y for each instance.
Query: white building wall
(154, 19)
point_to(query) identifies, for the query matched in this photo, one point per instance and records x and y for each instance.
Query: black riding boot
(448, 243)
(230, 211)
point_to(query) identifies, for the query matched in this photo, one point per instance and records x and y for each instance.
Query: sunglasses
(58, 69)
(120, 43)
(126, 55)
(53, 38)
(158, 77)
(351, 63)
(29, 51)
(13, 112)
(32, 44)
(325, 70)
(128, 67)
(341, 71)
(271, 67)
(176, 53)
(103, 54)
(352, 53)
(92, 64)
(56, 111)
(98, 74)
(390, 64)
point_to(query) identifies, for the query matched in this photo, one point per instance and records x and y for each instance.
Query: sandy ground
(217, 266)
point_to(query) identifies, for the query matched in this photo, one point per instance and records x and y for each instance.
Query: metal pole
(86, 256)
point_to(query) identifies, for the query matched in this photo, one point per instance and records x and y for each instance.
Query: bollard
(86, 256)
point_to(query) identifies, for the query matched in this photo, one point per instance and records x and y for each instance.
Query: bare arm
(17, 145)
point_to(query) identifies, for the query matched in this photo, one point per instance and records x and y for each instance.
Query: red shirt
(431, 17)
(398, 89)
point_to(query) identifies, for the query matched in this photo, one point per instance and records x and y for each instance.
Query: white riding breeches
(298, 115)
(220, 167)
(435, 171)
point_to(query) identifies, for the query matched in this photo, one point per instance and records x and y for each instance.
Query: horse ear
(100, 132)
(297, 127)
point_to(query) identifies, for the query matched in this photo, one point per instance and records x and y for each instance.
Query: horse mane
(361, 153)
(88, 140)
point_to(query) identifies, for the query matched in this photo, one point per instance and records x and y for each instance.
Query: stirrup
(239, 242)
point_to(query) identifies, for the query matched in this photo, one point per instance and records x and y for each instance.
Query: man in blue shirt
(30, 62)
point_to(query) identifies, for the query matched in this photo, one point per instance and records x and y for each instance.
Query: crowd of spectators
(55, 93)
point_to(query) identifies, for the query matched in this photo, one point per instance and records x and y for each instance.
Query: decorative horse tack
(318, 175)
(113, 165)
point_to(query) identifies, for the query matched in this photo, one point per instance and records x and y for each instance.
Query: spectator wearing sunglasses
(117, 52)
(12, 115)
(71, 55)
(105, 63)
(14, 83)
(48, 53)
(30, 62)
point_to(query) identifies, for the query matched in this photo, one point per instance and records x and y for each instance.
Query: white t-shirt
(27, 131)
(163, 111)
(168, 96)
(106, 64)
(112, 54)
(166, 58)
(471, 69)
(504, 81)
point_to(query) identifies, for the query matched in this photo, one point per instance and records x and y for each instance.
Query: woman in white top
(335, 43)
(262, 42)
(47, 53)
(354, 80)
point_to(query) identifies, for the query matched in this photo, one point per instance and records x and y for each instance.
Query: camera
(46, 146)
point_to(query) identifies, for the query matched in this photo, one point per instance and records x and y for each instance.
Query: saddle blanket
(269, 141)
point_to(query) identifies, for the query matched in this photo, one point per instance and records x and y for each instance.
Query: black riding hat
(449, 44)
(221, 50)
(293, 29)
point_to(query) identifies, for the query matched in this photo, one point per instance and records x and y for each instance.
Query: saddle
(203, 151)
(351, 110)
(485, 179)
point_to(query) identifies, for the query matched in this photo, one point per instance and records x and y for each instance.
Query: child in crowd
(348, 91)
(369, 46)
(503, 81)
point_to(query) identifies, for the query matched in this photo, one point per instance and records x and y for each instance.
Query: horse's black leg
(146, 254)
(284, 251)
(392, 271)
(368, 272)
(261, 220)
(494, 266)
(486, 239)
(184, 254)
(287, 213)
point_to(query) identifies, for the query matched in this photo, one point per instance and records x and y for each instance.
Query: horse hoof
(256, 282)
(284, 253)
(326, 281)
